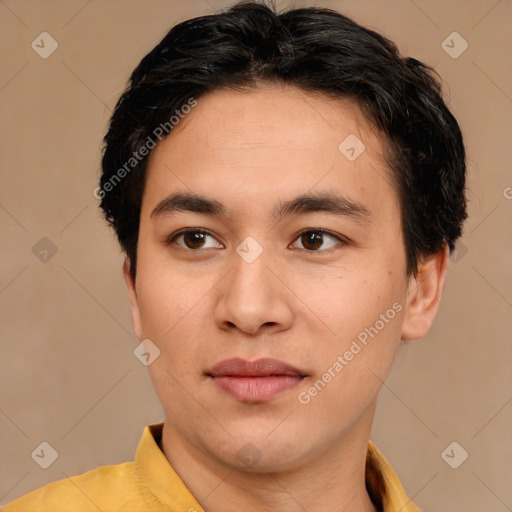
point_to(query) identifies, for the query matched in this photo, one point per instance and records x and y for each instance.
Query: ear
(424, 295)
(132, 293)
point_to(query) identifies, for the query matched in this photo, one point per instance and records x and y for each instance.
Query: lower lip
(256, 389)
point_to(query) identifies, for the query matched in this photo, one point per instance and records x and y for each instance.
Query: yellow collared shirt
(151, 484)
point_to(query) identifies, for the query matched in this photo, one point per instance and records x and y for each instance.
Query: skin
(251, 150)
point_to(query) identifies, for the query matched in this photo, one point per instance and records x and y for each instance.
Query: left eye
(312, 240)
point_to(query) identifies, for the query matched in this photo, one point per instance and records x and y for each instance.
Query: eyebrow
(303, 204)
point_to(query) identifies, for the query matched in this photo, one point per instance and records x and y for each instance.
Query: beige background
(68, 375)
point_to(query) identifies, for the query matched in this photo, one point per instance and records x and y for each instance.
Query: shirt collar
(155, 472)
(379, 470)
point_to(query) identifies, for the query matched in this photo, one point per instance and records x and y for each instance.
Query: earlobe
(424, 295)
(132, 294)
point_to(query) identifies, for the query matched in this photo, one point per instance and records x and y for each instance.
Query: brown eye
(312, 240)
(193, 239)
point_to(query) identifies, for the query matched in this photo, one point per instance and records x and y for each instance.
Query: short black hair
(317, 50)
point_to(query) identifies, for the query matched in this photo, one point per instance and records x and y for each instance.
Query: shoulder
(103, 488)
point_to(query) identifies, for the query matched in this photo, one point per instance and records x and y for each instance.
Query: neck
(334, 479)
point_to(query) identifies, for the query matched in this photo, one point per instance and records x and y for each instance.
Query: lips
(255, 381)
(264, 367)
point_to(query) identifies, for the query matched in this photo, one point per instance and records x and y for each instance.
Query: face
(294, 253)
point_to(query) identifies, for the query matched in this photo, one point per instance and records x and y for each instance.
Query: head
(321, 179)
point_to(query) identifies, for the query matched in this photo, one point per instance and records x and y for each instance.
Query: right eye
(193, 239)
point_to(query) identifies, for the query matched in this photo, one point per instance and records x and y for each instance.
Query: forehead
(272, 114)
(272, 141)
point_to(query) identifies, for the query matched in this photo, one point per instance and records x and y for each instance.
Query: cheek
(353, 368)
(164, 295)
(349, 301)
(172, 313)
(365, 315)
(158, 308)
(169, 312)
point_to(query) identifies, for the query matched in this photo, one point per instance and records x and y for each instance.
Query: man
(287, 190)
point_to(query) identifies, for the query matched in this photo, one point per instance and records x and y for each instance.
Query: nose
(252, 298)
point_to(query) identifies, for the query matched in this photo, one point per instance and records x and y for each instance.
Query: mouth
(255, 381)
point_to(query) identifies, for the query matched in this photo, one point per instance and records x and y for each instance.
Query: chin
(255, 453)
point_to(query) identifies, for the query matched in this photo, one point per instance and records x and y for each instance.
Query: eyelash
(342, 241)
